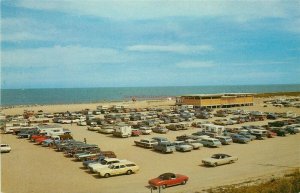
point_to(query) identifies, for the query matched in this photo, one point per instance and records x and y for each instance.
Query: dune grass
(287, 184)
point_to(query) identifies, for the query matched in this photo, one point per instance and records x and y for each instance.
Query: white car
(182, 146)
(103, 164)
(146, 130)
(5, 148)
(106, 129)
(219, 159)
(194, 143)
(126, 167)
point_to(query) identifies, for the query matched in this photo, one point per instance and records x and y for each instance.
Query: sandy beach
(31, 168)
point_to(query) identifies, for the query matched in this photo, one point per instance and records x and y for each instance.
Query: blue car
(98, 160)
(236, 138)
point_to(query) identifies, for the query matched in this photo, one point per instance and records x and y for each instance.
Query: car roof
(167, 175)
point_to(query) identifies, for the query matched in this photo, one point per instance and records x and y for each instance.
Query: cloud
(196, 64)
(171, 48)
(149, 9)
(61, 56)
(24, 29)
(20, 36)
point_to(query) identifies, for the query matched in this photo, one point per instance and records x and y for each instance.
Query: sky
(76, 44)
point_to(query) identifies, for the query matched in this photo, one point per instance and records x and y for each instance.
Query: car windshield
(216, 156)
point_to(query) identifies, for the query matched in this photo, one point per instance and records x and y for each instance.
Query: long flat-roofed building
(216, 100)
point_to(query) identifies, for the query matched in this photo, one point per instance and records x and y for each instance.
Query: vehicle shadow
(159, 152)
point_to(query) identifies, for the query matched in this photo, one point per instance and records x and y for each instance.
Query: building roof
(217, 95)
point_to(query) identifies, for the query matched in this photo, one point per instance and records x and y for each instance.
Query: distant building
(216, 100)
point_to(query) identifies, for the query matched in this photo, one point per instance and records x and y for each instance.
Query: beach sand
(31, 168)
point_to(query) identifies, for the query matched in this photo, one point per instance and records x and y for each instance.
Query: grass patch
(287, 184)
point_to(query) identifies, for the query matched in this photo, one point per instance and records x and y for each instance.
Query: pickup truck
(147, 143)
(165, 147)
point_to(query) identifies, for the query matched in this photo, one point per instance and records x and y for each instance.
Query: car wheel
(129, 172)
(215, 164)
(107, 175)
(164, 186)
(183, 183)
(231, 162)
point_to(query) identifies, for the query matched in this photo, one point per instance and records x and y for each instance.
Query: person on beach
(133, 99)
(84, 140)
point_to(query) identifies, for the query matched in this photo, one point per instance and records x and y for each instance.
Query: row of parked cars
(104, 163)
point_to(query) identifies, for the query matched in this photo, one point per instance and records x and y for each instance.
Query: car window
(116, 167)
(122, 166)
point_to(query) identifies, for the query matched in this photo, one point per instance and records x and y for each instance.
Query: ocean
(10, 97)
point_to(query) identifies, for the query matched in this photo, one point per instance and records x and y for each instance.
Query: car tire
(183, 183)
(129, 172)
(231, 162)
(107, 175)
(164, 186)
(215, 164)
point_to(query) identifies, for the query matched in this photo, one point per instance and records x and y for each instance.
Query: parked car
(136, 132)
(146, 130)
(219, 159)
(168, 179)
(196, 144)
(119, 169)
(247, 135)
(94, 167)
(182, 146)
(279, 131)
(165, 147)
(160, 139)
(236, 138)
(210, 142)
(147, 143)
(160, 130)
(225, 140)
(5, 148)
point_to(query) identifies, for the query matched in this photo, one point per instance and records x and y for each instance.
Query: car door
(115, 170)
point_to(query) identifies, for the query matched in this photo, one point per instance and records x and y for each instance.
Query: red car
(168, 179)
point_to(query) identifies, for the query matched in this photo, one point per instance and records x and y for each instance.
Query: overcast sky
(57, 44)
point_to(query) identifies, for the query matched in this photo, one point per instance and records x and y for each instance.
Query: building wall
(218, 101)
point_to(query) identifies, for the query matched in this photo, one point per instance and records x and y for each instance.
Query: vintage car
(146, 130)
(182, 146)
(106, 129)
(94, 167)
(247, 135)
(219, 159)
(164, 147)
(225, 140)
(196, 144)
(210, 142)
(5, 148)
(160, 130)
(236, 138)
(160, 139)
(136, 132)
(147, 143)
(125, 167)
(168, 179)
